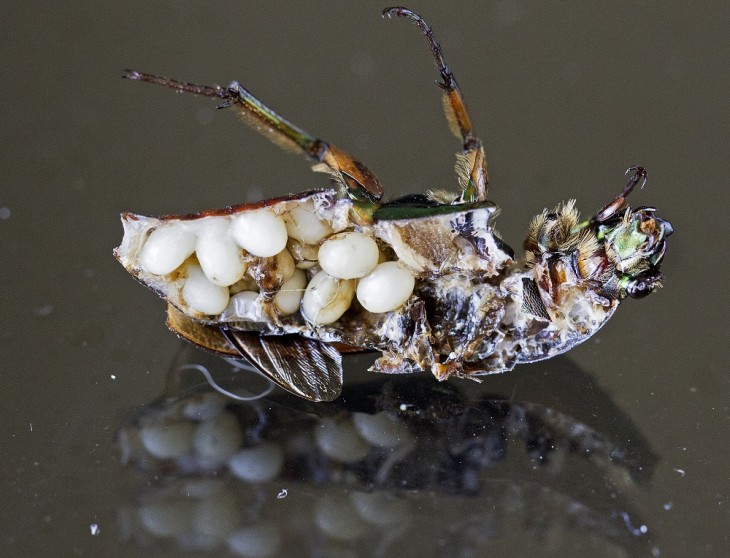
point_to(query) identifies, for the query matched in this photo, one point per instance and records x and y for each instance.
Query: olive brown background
(565, 97)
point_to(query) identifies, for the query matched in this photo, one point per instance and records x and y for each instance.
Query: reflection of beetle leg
(471, 165)
(361, 183)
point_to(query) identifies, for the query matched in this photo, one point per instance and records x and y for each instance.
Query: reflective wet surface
(115, 443)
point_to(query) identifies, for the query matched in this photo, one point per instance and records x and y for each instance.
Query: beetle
(292, 283)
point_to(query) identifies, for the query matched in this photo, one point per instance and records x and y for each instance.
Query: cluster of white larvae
(215, 282)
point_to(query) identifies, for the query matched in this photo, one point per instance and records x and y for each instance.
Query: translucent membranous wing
(306, 367)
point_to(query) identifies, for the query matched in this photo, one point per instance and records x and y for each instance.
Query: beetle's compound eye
(643, 284)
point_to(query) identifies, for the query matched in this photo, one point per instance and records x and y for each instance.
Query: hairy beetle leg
(471, 166)
(639, 175)
(360, 182)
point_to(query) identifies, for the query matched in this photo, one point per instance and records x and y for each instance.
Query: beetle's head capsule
(635, 244)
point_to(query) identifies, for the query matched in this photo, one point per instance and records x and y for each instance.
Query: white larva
(202, 295)
(303, 225)
(260, 232)
(290, 295)
(327, 298)
(348, 255)
(245, 305)
(219, 257)
(167, 247)
(385, 288)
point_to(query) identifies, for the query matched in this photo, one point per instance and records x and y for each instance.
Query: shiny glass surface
(618, 448)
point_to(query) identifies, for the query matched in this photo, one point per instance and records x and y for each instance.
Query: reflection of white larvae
(167, 247)
(327, 298)
(219, 257)
(203, 406)
(381, 429)
(202, 295)
(260, 232)
(303, 225)
(340, 441)
(216, 516)
(385, 288)
(348, 255)
(259, 540)
(290, 294)
(168, 440)
(379, 508)
(336, 518)
(167, 519)
(218, 438)
(256, 465)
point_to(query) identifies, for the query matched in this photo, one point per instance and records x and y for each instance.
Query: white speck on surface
(680, 471)
(693, 390)
(361, 64)
(4, 213)
(95, 530)
(204, 116)
(31, 426)
(668, 506)
(43, 311)
(283, 493)
(113, 377)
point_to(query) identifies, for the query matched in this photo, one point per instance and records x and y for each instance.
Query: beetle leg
(471, 165)
(612, 207)
(360, 183)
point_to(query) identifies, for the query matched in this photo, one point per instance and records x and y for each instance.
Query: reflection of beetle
(423, 279)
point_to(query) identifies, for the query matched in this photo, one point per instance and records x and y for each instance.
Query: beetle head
(635, 244)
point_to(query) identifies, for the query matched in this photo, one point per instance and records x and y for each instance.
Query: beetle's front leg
(359, 182)
(471, 164)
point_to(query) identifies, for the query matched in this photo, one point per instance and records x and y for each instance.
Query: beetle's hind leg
(359, 181)
(471, 164)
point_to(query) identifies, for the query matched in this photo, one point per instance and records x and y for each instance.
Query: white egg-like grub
(381, 429)
(218, 438)
(327, 298)
(289, 297)
(245, 305)
(256, 465)
(348, 255)
(303, 224)
(385, 288)
(340, 441)
(220, 258)
(202, 295)
(167, 440)
(167, 247)
(305, 255)
(260, 232)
